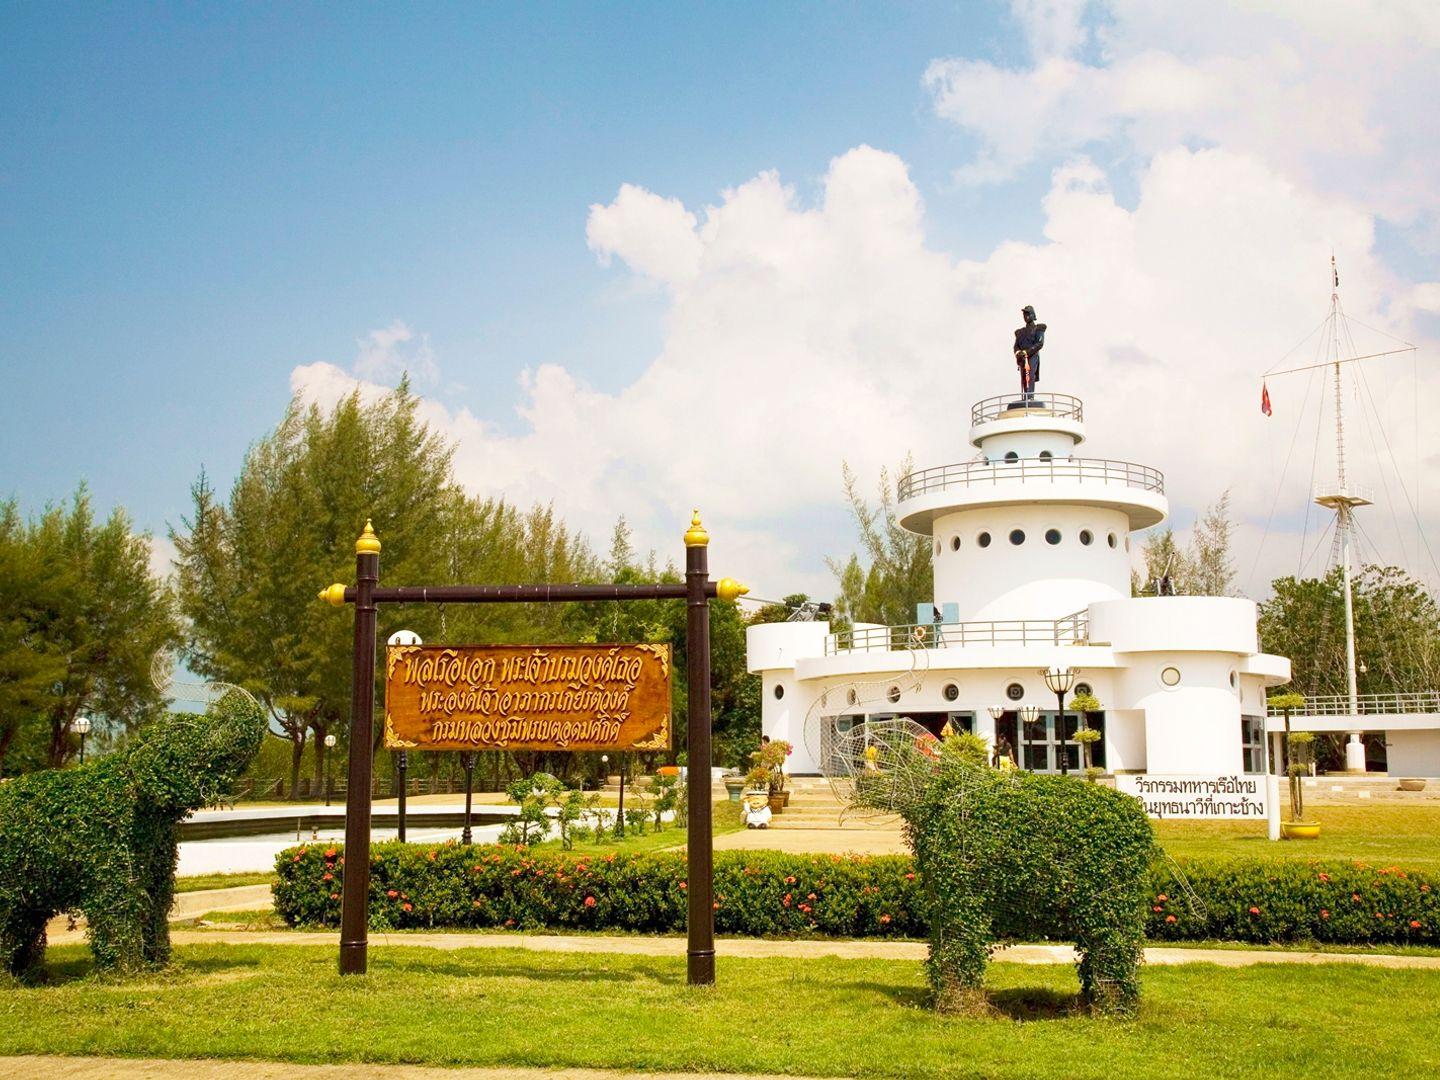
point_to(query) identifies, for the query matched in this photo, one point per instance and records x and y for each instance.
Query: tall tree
(83, 618)
(898, 575)
(1163, 557)
(249, 570)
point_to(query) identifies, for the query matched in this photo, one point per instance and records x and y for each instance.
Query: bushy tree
(1205, 568)
(81, 619)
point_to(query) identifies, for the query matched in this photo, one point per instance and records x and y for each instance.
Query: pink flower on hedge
(786, 901)
(1157, 907)
(391, 893)
(684, 885)
(790, 879)
(406, 907)
(910, 877)
(1254, 911)
(328, 877)
(1169, 918)
(1414, 924)
(884, 918)
(1324, 914)
(1355, 897)
(1162, 898)
(805, 908)
(509, 922)
(1324, 877)
(589, 901)
(811, 896)
(330, 853)
(295, 859)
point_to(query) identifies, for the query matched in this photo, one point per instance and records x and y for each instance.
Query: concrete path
(759, 948)
(104, 1068)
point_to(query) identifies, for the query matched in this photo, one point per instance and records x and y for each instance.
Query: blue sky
(198, 202)
(194, 200)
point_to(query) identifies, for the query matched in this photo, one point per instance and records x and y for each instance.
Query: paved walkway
(759, 948)
(103, 1068)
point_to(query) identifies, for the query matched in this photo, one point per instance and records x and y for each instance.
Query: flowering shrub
(756, 893)
(772, 894)
(1264, 900)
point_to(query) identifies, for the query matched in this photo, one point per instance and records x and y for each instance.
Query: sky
(644, 257)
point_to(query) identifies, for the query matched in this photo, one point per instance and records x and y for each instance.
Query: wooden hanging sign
(527, 697)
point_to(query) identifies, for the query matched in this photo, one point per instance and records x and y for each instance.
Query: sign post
(471, 732)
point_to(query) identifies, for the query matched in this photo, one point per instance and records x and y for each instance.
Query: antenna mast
(1343, 501)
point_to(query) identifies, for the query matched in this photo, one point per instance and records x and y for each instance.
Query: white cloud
(162, 556)
(802, 335)
(1336, 95)
(389, 352)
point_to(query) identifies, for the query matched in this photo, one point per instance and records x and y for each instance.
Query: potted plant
(771, 757)
(1301, 744)
(1085, 704)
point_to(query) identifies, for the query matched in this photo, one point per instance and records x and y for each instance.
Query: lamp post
(402, 760)
(605, 774)
(1028, 715)
(467, 762)
(1060, 680)
(329, 768)
(997, 712)
(81, 726)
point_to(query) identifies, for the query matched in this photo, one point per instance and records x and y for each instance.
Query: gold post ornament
(369, 543)
(333, 595)
(730, 589)
(696, 536)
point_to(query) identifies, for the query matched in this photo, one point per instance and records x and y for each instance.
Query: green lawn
(1382, 834)
(197, 882)
(725, 818)
(819, 1017)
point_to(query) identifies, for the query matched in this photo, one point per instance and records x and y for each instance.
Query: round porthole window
(954, 543)
(983, 539)
(779, 691)
(1052, 536)
(1111, 539)
(1083, 688)
(1011, 455)
(1234, 681)
(937, 547)
(1087, 537)
(893, 694)
(952, 692)
(1017, 536)
(1045, 455)
(1170, 676)
(1015, 691)
(850, 697)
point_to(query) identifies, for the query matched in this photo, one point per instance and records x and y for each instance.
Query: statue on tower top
(1029, 340)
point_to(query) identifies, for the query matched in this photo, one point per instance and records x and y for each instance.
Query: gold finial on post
(730, 589)
(333, 595)
(369, 543)
(696, 536)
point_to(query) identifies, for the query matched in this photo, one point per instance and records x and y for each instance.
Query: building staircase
(815, 804)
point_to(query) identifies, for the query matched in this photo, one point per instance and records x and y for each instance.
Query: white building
(1032, 570)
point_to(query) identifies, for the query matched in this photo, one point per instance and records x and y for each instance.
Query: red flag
(1265, 399)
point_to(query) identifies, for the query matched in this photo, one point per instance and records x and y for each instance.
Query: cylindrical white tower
(1028, 530)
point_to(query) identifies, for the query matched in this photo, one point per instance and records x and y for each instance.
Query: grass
(818, 1017)
(197, 882)
(1381, 834)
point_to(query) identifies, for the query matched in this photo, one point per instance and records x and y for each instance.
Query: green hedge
(772, 894)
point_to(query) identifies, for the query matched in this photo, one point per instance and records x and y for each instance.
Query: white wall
(1193, 727)
(1027, 444)
(1034, 580)
(1412, 753)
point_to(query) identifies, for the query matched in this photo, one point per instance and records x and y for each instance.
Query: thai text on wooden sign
(1186, 796)
(527, 697)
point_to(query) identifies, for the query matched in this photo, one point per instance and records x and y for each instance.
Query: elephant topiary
(1010, 854)
(99, 839)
